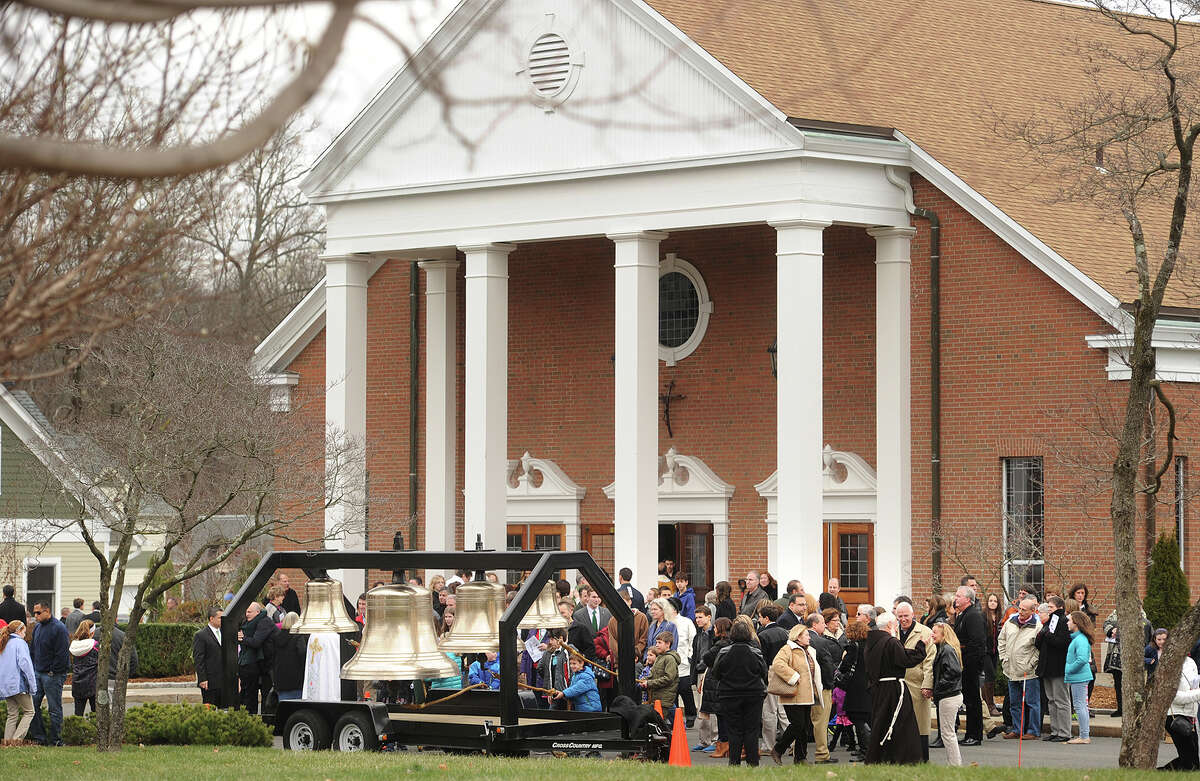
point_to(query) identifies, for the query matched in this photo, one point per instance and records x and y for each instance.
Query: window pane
(695, 559)
(852, 561)
(41, 578)
(547, 542)
(514, 541)
(1026, 575)
(678, 309)
(602, 551)
(1024, 512)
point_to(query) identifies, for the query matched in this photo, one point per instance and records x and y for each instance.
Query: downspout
(935, 368)
(414, 357)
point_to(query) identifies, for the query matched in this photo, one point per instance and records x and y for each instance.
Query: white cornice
(1176, 346)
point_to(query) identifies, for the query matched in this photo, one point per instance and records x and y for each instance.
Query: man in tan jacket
(920, 678)
(1019, 658)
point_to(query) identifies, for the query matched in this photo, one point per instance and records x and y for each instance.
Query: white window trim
(42, 561)
(555, 501)
(673, 263)
(1004, 527)
(1180, 504)
(689, 491)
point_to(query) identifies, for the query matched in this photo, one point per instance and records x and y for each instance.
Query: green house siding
(27, 490)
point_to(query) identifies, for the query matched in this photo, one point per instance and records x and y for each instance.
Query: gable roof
(942, 74)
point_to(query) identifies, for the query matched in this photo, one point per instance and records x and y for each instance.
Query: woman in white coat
(686, 631)
(1181, 719)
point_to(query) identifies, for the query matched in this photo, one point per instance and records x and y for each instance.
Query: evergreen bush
(178, 725)
(165, 650)
(1167, 594)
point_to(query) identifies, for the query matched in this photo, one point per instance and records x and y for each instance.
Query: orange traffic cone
(658, 709)
(680, 755)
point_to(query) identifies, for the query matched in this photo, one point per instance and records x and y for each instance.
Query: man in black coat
(793, 614)
(1052, 642)
(252, 637)
(972, 634)
(771, 638)
(291, 602)
(829, 656)
(206, 654)
(10, 609)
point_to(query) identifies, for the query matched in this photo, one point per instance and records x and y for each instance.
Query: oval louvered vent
(549, 64)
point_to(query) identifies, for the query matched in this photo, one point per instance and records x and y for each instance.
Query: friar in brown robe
(895, 738)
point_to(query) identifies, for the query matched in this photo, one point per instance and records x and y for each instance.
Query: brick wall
(1017, 379)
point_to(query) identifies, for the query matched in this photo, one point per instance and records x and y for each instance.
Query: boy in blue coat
(582, 692)
(488, 672)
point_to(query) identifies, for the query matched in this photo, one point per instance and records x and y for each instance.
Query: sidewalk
(165, 692)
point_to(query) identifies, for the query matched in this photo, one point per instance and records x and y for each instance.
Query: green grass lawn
(179, 763)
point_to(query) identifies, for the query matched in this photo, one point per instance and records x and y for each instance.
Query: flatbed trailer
(493, 722)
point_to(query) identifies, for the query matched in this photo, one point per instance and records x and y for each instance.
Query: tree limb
(80, 158)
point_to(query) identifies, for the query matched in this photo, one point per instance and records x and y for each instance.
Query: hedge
(165, 650)
(178, 725)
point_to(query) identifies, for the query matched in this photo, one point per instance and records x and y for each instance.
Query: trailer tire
(306, 730)
(355, 732)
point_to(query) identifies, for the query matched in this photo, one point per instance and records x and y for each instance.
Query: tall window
(1180, 502)
(39, 587)
(1024, 523)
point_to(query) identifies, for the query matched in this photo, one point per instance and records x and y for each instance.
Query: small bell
(476, 629)
(544, 613)
(324, 609)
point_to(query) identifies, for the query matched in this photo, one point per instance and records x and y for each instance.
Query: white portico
(603, 120)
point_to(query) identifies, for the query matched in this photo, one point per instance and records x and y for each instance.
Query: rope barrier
(586, 660)
(441, 700)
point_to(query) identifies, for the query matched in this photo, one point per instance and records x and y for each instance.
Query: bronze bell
(324, 609)
(398, 643)
(476, 629)
(544, 613)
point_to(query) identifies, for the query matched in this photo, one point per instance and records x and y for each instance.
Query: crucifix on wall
(666, 399)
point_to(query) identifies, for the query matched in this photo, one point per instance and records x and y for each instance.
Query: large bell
(476, 629)
(398, 643)
(544, 613)
(324, 609)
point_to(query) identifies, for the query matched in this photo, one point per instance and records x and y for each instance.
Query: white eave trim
(276, 352)
(1055, 266)
(1177, 348)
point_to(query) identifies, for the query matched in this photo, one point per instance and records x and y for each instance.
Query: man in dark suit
(637, 601)
(592, 613)
(10, 609)
(206, 653)
(579, 633)
(793, 614)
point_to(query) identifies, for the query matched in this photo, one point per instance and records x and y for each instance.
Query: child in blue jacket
(582, 691)
(488, 672)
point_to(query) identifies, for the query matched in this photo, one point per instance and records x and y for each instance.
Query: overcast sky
(368, 59)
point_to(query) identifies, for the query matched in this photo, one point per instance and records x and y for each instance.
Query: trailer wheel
(306, 730)
(355, 732)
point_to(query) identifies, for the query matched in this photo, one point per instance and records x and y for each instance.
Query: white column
(893, 413)
(440, 408)
(486, 408)
(635, 522)
(346, 408)
(799, 400)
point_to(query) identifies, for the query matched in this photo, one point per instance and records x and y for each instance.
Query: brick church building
(653, 279)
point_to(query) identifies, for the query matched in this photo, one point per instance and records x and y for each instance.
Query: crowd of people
(769, 674)
(38, 652)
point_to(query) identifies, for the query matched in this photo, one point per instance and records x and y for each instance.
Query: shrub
(1167, 595)
(79, 730)
(165, 650)
(187, 724)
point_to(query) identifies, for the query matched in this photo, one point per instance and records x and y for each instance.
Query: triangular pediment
(512, 89)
